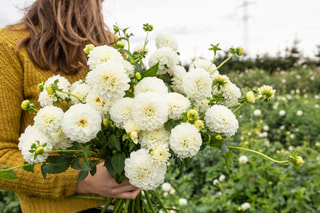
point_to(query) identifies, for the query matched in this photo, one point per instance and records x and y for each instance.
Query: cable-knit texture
(19, 79)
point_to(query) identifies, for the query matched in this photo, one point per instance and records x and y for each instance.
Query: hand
(102, 183)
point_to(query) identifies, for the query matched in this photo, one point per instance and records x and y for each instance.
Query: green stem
(16, 167)
(126, 207)
(222, 63)
(235, 110)
(146, 193)
(92, 198)
(118, 205)
(109, 201)
(68, 93)
(232, 104)
(259, 153)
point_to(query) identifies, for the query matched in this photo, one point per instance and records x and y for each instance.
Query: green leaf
(108, 165)
(56, 164)
(28, 168)
(152, 71)
(82, 175)
(75, 163)
(8, 175)
(117, 161)
(170, 124)
(228, 156)
(115, 142)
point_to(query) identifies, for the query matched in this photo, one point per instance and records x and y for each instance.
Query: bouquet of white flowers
(135, 117)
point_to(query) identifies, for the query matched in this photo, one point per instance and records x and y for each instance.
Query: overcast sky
(271, 26)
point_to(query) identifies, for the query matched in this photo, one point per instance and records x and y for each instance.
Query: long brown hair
(60, 29)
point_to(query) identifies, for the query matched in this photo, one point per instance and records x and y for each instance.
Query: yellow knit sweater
(19, 79)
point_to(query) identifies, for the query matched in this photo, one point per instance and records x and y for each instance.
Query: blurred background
(259, 26)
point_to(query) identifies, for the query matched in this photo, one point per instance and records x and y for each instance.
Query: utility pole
(245, 19)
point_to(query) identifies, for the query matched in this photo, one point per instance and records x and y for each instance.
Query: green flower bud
(199, 124)
(40, 86)
(105, 122)
(88, 48)
(239, 51)
(218, 137)
(25, 105)
(298, 161)
(39, 150)
(49, 89)
(192, 114)
(120, 44)
(250, 97)
(147, 27)
(138, 75)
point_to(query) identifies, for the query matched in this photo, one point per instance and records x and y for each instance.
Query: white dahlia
(176, 80)
(203, 105)
(230, 93)
(103, 54)
(59, 140)
(121, 111)
(109, 80)
(166, 58)
(205, 64)
(166, 39)
(132, 129)
(221, 120)
(94, 100)
(152, 84)
(152, 139)
(33, 135)
(128, 67)
(80, 89)
(149, 111)
(142, 172)
(47, 99)
(185, 140)
(160, 154)
(48, 119)
(81, 123)
(197, 84)
(177, 104)
(176, 69)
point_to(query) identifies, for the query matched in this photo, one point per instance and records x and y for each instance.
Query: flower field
(252, 183)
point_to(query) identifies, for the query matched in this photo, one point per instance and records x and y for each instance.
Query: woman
(49, 40)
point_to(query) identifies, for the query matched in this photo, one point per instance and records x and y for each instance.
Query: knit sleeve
(13, 77)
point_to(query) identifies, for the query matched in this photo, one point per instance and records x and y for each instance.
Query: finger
(129, 195)
(123, 189)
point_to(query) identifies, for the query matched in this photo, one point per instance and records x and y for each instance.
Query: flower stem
(259, 153)
(16, 167)
(149, 202)
(222, 63)
(235, 110)
(109, 200)
(72, 95)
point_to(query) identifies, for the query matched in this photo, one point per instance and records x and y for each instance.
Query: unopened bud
(25, 105)
(49, 89)
(138, 75)
(250, 97)
(218, 137)
(40, 86)
(88, 48)
(192, 114)
(39, 150)
(120, 44)
(239, 51)
(105, 122)
(298, 161)
(199, 124)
